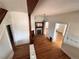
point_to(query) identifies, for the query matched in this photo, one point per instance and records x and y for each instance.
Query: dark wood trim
(43, 27)
(31, 5)
(32, 35)
(2, 14)
(29, 27)
(29, 22)
(11, 36)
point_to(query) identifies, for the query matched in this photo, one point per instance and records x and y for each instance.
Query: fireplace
(39, 31)
(39, 27)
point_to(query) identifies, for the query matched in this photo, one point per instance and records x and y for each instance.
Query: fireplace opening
(39, 31)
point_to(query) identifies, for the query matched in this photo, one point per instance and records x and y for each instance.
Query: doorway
(59, 33)
(11, 36)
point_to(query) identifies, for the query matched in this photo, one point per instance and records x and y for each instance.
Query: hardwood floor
(21, 52)
(58, 40)
(44, 50)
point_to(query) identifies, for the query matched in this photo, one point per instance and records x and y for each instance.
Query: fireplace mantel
(39, 27)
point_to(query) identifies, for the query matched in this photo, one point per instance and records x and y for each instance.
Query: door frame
(65, 29)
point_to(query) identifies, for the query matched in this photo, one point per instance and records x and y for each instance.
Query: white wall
(39, 18)
(14, 5)
(69, 18)
(46, 29)
(20, 27)
(32, 22)
(35, 18)
(6, 51)
(18, 19)
(72, 35)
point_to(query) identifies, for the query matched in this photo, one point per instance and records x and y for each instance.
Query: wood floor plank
(44, 50)
(21, 52)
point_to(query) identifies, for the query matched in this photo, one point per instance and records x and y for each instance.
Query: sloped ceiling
(52, 7)
(14, 5)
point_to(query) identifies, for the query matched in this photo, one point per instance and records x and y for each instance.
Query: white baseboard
(71, 51)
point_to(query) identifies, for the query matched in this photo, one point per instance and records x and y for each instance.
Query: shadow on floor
(21, 52)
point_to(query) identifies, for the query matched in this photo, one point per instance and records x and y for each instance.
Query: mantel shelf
(39, 27)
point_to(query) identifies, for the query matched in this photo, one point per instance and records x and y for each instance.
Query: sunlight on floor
(58, 40)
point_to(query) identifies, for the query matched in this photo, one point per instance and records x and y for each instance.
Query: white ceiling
(52, 7)
(14, 5)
